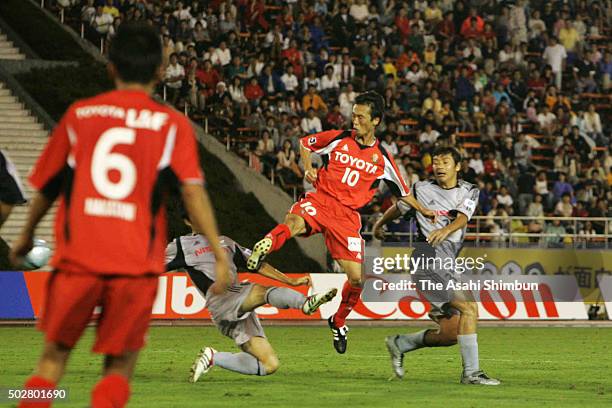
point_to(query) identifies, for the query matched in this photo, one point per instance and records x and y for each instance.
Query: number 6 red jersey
(110, 159)
(351, 171)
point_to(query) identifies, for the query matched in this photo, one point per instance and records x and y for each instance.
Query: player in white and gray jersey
(233, 311)
(456, 313)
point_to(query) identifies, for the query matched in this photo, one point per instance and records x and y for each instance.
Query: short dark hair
(374, 101)
(444, 150)
(136, 52)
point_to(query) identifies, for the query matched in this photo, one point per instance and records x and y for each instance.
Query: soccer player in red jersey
(109, 160)
(354, 164)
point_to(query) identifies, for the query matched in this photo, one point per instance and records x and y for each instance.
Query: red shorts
(126, 303)
(339, 224)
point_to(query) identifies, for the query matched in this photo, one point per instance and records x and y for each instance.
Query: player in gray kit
(233, 311)
(455, 312)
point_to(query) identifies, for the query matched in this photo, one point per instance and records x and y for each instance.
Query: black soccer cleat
(339, 334)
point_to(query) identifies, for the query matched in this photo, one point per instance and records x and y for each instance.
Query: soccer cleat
(315, 301)
(479, 378)
(260, 250)
(397, 357)
(202, 364)
(339, 334)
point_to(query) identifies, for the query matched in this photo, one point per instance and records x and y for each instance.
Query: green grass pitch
(543, 367)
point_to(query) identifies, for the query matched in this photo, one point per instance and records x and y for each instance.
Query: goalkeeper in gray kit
(233, 311)
(455, 312)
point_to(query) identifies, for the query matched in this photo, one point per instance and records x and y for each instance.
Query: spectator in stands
(312, 100)
(555, 55)
(311, 123)
(556, 232)
(562, 187)
(265, 151)
(564, 207)
(173, 79)
(287, 168)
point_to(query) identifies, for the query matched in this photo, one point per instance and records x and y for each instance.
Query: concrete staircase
(8, 51)
(22, 139)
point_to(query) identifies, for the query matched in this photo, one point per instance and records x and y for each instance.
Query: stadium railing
(478, 233)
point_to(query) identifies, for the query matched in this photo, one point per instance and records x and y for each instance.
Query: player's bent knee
(467, 308)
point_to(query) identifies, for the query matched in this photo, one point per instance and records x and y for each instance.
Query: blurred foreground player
(354, 165)
(233, 311)
(109, 160)
(455, 312)
(11, 190)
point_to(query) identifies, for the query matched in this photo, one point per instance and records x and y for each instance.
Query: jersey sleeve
(241, 255)
(183, 153)
(468, 202)
(393, 177)
(174, 255)
(323, 142)
(55, 156)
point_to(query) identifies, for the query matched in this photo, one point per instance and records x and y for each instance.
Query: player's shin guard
(112, 391)
(243, 363)
(37, 383)
(350, 297)
(279, 235)
(285, 298)
(410, 342)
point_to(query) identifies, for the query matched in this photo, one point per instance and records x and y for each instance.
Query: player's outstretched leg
(257, 358)
(275, 239)
(351, 292)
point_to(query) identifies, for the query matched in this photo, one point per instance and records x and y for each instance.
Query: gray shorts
(225, 309)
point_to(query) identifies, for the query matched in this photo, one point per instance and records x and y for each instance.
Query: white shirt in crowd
(103, 22)
(221, 57)
(477, 165)
(291, 82)
(546, 119)
(390, 147)
(173, 71)
(310, 126)
(329, 83)
(344, 72)
(430, 137)
(554, 56)
(505, 200)
(346, 101)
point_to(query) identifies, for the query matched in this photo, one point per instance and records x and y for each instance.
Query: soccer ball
(38, 256)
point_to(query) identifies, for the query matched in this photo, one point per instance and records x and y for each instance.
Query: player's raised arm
(47, 177)
(309, 173)
(414, 203)
(320, 143)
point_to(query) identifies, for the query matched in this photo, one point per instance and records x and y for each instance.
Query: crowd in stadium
(521, 88)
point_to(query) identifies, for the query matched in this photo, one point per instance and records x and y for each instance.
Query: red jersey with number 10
(110, 158)
(352, 171)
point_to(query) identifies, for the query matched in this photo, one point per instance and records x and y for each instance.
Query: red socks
(36, 382)
(279, 235)
(112, 391)
(350, 297)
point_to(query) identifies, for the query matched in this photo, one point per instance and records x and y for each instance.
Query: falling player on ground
(354, 164)
(456, 313)
(109, 160)
(233, 312)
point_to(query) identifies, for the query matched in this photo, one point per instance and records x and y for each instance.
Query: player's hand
(437, 236)
(431, 214)
(311, 175)
(379, 231)
(304, 280)
(21, 247)
(223, 277)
